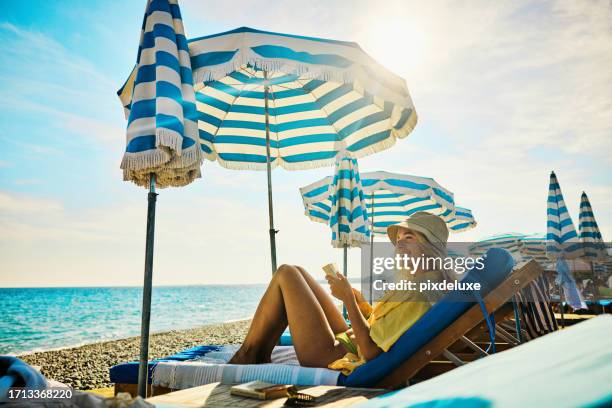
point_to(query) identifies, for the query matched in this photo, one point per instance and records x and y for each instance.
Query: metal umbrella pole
(271, 230)
(371, 246)
(345, 273)
(143, 371)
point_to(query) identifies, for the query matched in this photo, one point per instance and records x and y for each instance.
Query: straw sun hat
(432, 226)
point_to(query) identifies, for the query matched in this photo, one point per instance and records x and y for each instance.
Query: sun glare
(399, 45)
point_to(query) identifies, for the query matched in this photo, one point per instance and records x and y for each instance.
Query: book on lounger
(263, 390)
(331, 269)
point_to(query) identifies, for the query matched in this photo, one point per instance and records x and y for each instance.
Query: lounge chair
(444, 324)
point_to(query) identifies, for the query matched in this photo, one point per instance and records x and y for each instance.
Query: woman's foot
(244, 356)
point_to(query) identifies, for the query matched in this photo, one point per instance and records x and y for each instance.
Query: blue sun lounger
(444, 324)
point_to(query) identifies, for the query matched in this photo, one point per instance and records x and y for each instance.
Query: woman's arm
(341, 289)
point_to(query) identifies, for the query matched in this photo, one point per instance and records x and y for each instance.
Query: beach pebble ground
(86, 367)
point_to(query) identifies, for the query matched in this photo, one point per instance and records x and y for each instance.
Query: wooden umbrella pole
(271, 230)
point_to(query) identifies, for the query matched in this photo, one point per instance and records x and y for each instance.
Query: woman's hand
(340, 287)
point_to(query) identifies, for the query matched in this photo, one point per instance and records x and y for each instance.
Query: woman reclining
(320, 334)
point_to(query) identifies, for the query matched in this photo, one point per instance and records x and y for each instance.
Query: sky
(505, 93)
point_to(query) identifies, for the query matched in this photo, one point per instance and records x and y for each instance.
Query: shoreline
(86, 366)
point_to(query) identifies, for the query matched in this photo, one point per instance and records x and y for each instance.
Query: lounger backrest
(498, 263)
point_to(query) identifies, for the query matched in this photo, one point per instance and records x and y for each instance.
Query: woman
(320, 334)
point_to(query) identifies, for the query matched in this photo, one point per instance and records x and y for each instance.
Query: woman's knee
(286, 270)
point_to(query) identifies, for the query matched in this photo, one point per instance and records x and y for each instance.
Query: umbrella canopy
(562, 242)
(523, 247)
(561, 238)
(321, 97)
(510, 241)
(534, 247)
(594, 246)
(160, 105)
(390, 198)
(267, 99)
(349, 219)
(393, 197)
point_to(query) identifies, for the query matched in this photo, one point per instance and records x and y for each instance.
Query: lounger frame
(438, 346)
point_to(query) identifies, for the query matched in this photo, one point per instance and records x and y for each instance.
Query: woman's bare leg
(289, 299)
(269, 322)
(332, 314)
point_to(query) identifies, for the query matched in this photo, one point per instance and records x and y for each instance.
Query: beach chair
(445, 324)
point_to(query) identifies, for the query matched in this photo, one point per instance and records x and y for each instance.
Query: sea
(39, 319)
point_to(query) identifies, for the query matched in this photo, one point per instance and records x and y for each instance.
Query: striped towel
(181, 375)
(280, 355)
(159, 103)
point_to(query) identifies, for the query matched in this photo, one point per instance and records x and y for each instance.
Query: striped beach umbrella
(349, 218)
(592, 241)
(390, 198)
(533, 246)
(162, 133)
(562, 242)
(159, 104)
(510, 241)
(338, 201)
(594, 246)
(268, 99)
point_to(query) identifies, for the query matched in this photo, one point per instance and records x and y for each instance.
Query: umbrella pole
(345, 273)
(371, 245)
(271, 230)
(143, 371)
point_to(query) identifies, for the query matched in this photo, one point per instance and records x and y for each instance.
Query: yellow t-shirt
(390, 317)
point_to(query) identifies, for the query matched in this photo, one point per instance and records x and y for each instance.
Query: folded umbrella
(562, 242)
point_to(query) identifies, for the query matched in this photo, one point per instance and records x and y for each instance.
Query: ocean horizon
(48, 318)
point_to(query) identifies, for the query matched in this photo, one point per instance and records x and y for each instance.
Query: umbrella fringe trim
(170, 139)
(311, 71)
(352, 239)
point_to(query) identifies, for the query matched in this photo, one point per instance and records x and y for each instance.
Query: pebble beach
(86, 367)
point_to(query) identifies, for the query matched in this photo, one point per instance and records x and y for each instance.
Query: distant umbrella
(562, 242)
(510, 241)
(594, 246)
(592, 241)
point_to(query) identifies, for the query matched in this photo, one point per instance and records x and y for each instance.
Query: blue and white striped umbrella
(160, 105)
(463, 221)
(390, 198)
(523, 247)
(594, 246)
(562, 242)
(510, 241)
(323, 97)
(349, 218)
(561, 238)
(533, 246)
